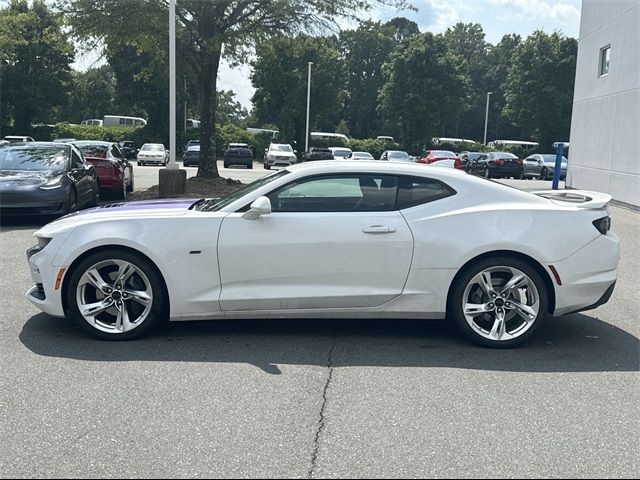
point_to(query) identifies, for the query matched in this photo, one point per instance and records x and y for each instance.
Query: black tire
(158, 314)
(544, 174)
(267, 166)
(250, 166)
(487, 173)
(456, 297)
(225, 165)
(130, 186)
(96, 198)
(141, 164)
(122, 195)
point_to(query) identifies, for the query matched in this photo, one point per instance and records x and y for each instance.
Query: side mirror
(260, 206)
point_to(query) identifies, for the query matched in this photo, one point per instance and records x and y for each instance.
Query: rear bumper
(509, 171)
(238, 160)
(588, 276)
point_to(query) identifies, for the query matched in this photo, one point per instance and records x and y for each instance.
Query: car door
(331, 241)
(82, 178)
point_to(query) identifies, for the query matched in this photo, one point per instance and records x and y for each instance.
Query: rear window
(93, 151)
(414, 191)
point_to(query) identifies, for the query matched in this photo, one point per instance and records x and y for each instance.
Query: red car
(115, 173)
(441, 158)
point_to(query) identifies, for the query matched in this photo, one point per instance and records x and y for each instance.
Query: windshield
(154, 147)
(34, 158)
(362, 155)
(216, 204)
(397, 154)
(93, 151)
(443, 153)
(341, 153)
(281, 148)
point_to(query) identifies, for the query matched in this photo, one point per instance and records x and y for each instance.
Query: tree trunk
(209, 61)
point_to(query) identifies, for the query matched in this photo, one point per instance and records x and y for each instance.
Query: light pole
(172, 180)
(486, 117)
(184, 92)
(306, 138)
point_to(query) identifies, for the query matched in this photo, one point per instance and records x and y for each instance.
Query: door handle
(379, 229)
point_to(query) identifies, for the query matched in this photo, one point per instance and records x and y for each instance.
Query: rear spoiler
(576, 198)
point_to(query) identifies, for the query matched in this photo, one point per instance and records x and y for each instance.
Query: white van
(192, 123)
(92, 121)
(120, 121)
(328, 136)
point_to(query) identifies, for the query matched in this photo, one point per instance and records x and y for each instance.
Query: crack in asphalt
(316, 441)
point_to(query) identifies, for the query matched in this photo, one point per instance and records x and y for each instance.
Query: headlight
(52, 184)
(42, 242)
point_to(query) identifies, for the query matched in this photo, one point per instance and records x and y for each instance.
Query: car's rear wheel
(487, 174)
(130, 186)
(543, 174)
(72, 204)
(499, 302)
(250, 165)
(116, 295)
(266, 166)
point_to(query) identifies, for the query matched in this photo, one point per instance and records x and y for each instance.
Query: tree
(229, 109)
(466, 43)
(92, 94)
(36, 55)
(422, 90)
(205, 29)
(280, 79)
(539, 86)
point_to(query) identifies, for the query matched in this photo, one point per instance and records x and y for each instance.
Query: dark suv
(497, 165)
(238, 154)
(317, 153)
(128, 149)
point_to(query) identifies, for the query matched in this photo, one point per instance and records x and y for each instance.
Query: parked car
(64, 140)
(396, 156)
(542, 166)
(361, 156)
(468, 157)
(4, 142)
(128, 149)
(340, 153)
(238, 154)
(18, 138)
(153, 154)
(279, 154)
(316, 154)
(441, 158)
(191, 143)
(191, 156)
(45, 178)
(497, 165)
(115, 173)
(400, 254)
(96, 122)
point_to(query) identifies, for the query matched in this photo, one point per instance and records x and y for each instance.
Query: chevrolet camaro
(337, 239)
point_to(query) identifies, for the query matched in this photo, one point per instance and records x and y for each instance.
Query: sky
(497, 17)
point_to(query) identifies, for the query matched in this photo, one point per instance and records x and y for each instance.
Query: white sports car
(335, 239)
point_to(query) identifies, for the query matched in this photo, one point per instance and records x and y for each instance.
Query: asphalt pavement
(306, 398)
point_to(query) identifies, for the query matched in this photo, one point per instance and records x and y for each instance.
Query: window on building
(605, 55)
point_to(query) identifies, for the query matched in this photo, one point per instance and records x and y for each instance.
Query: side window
(138, 122)
(76, 160)
(115, 151)
(414, 191)
(337, 193)
(122, 121)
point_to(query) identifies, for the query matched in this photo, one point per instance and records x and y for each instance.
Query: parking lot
(323, 398)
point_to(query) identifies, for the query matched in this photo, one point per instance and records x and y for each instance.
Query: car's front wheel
(116, 295)
(499, 302)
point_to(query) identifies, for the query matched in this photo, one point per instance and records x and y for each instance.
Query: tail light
(519, 162)
(457, 164)
(499, 161)
(603, 225)
(105, 164)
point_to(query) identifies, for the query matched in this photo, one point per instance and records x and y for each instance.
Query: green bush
(373, 146)
(106, 134)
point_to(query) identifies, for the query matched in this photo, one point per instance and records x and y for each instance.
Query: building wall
(605, 129)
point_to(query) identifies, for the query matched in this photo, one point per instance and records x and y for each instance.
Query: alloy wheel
(114, 296)
(501, 303)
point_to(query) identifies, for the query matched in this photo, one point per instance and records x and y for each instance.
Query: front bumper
(280, 161)
(44, 294)
(34, 202)
(152, 160)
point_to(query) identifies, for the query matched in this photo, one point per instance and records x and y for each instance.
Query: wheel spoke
(474, 309)
(484, 280)
(94, 278)
(499, 326)
(123, 323)
(125, 270)
(516, 281)
(139, 296)
(525, 311)
(93, 309)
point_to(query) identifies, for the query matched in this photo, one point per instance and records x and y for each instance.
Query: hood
(120, 211)
(25, 178)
